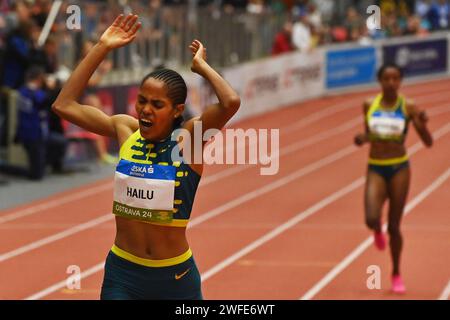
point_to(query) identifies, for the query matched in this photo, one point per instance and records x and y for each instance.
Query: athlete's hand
(121, 32)
(198, 56)
(423, 116)
(360, 139)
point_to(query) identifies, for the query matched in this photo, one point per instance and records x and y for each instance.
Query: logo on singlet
(181, 275)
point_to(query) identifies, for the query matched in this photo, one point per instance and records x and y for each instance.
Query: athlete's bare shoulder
(125, 126)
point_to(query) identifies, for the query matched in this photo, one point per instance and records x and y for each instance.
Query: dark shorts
(387, 172)
(125, 280)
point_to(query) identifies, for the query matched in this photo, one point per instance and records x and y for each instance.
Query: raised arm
(216, 115)
(119, 34)
(419, 119)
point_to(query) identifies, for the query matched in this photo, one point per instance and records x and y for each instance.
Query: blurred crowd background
(235, 31)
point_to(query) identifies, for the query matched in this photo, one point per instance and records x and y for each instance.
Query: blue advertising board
(350, 67)
(418, 58)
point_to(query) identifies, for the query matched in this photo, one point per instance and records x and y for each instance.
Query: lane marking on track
(368, 242)
(308, 212)
(445, 293)
(216, 212)
(55, 237)
(62, 284)
(341, 106)
(56, 202)
(301, 216)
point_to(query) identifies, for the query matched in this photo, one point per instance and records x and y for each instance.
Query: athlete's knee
(394, 230)
(372, 222)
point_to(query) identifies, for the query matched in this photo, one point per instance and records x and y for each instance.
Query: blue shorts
(126, 280)
(388, 171)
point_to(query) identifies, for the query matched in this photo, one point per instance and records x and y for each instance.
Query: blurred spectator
(353, 20)
(40, 10)
(300, 8)
(18, 54)
(339, 34)
(423, 8)
(315, 16)
(255, 6)
(415, 27)
(438, 15)
(283, 40)
(33, 127)
(326, 8)
(301, 33)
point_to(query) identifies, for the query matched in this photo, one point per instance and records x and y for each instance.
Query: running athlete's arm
(419, 119)
(216, 115)
(119, 34)
(362, 138)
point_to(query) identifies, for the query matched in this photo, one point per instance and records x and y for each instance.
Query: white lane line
(63, 283)
(56, 202)
(304, 214)
(445, 293)
(229, 171)
(200, 219)
(439, 133)
(58, 236)
(331, 275)
(221, 209)
(282, 228)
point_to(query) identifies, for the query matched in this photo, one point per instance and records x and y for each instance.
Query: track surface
(297, 234)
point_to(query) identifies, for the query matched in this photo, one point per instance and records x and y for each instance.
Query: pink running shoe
(380, 240)
(397, 284)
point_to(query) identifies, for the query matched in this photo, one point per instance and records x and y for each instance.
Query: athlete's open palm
(121, 32)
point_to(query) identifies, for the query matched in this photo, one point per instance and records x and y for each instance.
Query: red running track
(287, 236)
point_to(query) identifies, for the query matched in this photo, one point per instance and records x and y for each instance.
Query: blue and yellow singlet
(150, 187)
(387, 124)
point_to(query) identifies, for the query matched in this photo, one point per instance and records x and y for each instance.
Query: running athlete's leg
(398, 188)
(374, 197)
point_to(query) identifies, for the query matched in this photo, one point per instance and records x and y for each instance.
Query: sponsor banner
(272, 83)
(419, 58)
(349, 67)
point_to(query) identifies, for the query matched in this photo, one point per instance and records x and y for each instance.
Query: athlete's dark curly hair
(387, 66)
(176, 87)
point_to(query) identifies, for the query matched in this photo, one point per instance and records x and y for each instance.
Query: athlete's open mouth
(146, 123)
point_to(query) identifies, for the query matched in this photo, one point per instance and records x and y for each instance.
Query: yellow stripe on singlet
(151, 263)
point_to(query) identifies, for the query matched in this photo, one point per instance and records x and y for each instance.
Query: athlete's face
(156, 112)
(391, 80)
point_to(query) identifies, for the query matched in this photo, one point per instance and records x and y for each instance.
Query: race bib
(387, 124)
(144, 192)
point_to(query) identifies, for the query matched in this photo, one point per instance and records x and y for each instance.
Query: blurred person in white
(422, 8)
(315, 16)
(326, 8)
(255, 6)
(301, 33)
